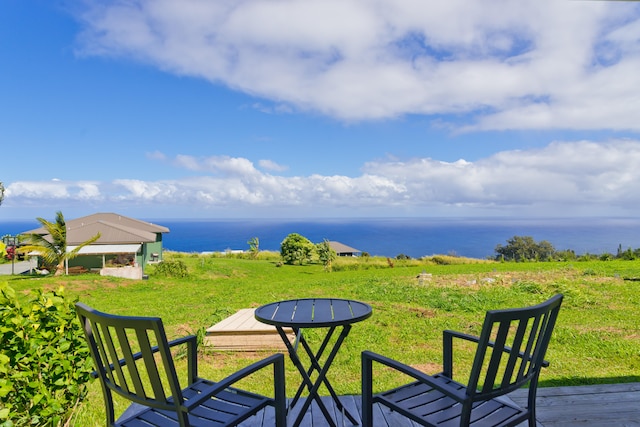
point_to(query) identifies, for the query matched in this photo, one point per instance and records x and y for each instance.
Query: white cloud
(223, 165)
(270, 165)
(530, 64)
(584, 175)
(55, 189)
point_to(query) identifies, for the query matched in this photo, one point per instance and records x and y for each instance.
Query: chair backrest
(132, 359)
(511, 349)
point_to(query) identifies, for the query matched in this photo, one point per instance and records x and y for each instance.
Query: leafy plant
(10, 252)
(296, 249)
(44, 359)
(175, 268)
(254, 247)
(326, 254)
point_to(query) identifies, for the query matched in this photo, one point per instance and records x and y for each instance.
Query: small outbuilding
(344, 250)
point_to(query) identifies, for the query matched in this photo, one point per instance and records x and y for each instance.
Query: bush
(172, 269)
(44, 360)
(296, 249)
(524, 248)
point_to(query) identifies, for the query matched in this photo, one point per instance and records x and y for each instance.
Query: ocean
(414, 237)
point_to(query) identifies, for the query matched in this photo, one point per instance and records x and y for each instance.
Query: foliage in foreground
(44, 359)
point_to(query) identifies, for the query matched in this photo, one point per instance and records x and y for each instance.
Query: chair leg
(367, 392)
(280, 393)
(531, 401)
(532, 416)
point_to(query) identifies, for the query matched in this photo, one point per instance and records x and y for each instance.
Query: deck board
(596, 405)
(584, 406)
(242, 332)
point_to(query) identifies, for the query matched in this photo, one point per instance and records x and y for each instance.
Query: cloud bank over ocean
(593, 178)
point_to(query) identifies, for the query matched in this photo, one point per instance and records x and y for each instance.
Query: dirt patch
(422, 312)
(428, 368)
(478, 280)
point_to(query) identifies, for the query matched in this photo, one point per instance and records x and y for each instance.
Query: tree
(296, 248)
(254, 247)
(524, 248)
(326, 254)
(53, 247)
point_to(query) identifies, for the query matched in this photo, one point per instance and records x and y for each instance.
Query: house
(123, 241)
(343, 250)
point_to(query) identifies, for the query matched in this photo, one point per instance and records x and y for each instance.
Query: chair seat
(433, 407)
(226, 408)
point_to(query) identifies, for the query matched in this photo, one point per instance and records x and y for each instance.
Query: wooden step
(242, 332)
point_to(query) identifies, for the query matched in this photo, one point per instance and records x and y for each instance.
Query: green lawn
(597, 338)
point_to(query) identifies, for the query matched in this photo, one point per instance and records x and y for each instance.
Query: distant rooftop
(342, 249)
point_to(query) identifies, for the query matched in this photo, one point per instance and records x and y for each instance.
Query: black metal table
(299, 314)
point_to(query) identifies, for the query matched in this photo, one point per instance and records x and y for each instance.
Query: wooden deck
(598, 405)
(242, 332)
(585, 406)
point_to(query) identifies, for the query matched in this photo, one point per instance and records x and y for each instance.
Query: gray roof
(342, 248)
(113, 229)
(118, 219)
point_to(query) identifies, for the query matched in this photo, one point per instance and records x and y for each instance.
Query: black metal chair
(133, 359)
(509, 354)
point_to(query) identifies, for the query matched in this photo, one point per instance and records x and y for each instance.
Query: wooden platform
(594, 405)
(242, 332)
(584, 406)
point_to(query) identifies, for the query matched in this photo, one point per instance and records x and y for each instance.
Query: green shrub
(296, 249)
(44, 359)
(175, 268)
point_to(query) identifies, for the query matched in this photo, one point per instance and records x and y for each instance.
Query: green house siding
(148, 251)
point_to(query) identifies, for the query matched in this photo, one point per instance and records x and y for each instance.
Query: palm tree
(53, 246)
(254, 247)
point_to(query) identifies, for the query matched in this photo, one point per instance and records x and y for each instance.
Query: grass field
(596, 340)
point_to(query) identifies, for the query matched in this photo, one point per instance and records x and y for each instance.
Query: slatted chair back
(511, 349)
(147, 377)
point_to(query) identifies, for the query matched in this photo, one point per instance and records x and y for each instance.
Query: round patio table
(299, 314)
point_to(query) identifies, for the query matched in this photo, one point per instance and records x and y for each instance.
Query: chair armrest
(447, 349)
(368, 357)
(192, 355)
(189, 339)
(276, 359)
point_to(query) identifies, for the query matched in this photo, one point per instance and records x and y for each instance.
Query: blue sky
(319, 108)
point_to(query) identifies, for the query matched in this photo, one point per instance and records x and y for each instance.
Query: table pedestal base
(314, 358)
